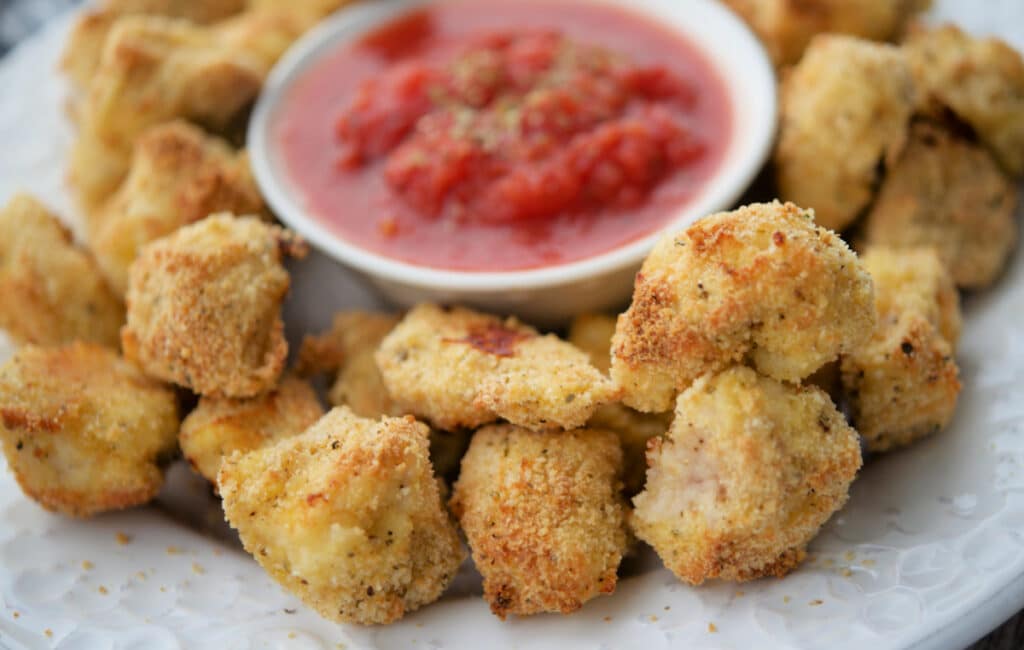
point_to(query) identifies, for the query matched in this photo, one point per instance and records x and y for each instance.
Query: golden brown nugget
(347, 351)
(948, 193)
(347, 516)
(593, 333)
(85, 432)
(761, 284)
(787, 26)
(154, 70)
(268, 29)
(204, 306)
(750, 471)
(980, 79)
(179, 175)
(220, 426)
(85, 44)
(903, 383)
(543, 516)
(50, 290)
(844, 108)
(462, 369)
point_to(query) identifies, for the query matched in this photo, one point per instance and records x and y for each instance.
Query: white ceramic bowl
(548, 295)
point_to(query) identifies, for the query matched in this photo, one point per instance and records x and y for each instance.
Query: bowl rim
(357, 19)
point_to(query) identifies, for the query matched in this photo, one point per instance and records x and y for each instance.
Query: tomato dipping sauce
(486, 136)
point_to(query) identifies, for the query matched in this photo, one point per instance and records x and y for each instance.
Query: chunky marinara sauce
(498, 136)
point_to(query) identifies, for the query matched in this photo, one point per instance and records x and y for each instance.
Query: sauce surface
(500, 136)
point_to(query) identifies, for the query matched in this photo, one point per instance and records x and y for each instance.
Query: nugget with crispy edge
(153, 70)
(220, 426)
(980, 79)
(50, 290)
(543, 516)
(844, 108)
(347, 516)
(85, 43)
(948, 193)
(593, 333)
(346, 353)
(749, 472)
(787, 26)
(179, 175)
(85, 432)
(762, 283)
(903, 383)
(459, 368)
(268, 29)
(204, 306)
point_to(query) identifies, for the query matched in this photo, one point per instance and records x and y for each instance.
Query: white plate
(929, 553)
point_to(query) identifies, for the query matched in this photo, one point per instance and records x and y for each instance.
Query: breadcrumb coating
(346, 352)
(459, 368)
(543, 516)
(844, 108)
(750, 471)
(593, 333)
(947, 192)
(85, 43)
(179, 175)
(980, 79)
(219, 426)
(787, 26)
(347, 516)
(903, 383)
(84, 432)
(154, 69)
(50, 290)
(204, 306)
(761, 284)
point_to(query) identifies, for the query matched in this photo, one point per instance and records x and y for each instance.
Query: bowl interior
(733, 52)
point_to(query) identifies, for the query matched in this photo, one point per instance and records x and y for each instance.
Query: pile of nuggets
(703, 420)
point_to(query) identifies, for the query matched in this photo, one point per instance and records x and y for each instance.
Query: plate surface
(929, 553)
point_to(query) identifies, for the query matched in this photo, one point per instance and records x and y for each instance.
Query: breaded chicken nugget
(787, 26)
(543, 516)
(179, 175)
(219, 426)
(347, 351)
(459, 368)
(269, 28)
(750, 471)
(903, 384)
(592, 333)
(948, 193)
(762, 283)
(844, 108)
(50, 290)
(85, 44)
(347, 516)
(204, 306)
(980, 79)
(83, 431)
(153, 70)
(915, 279)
